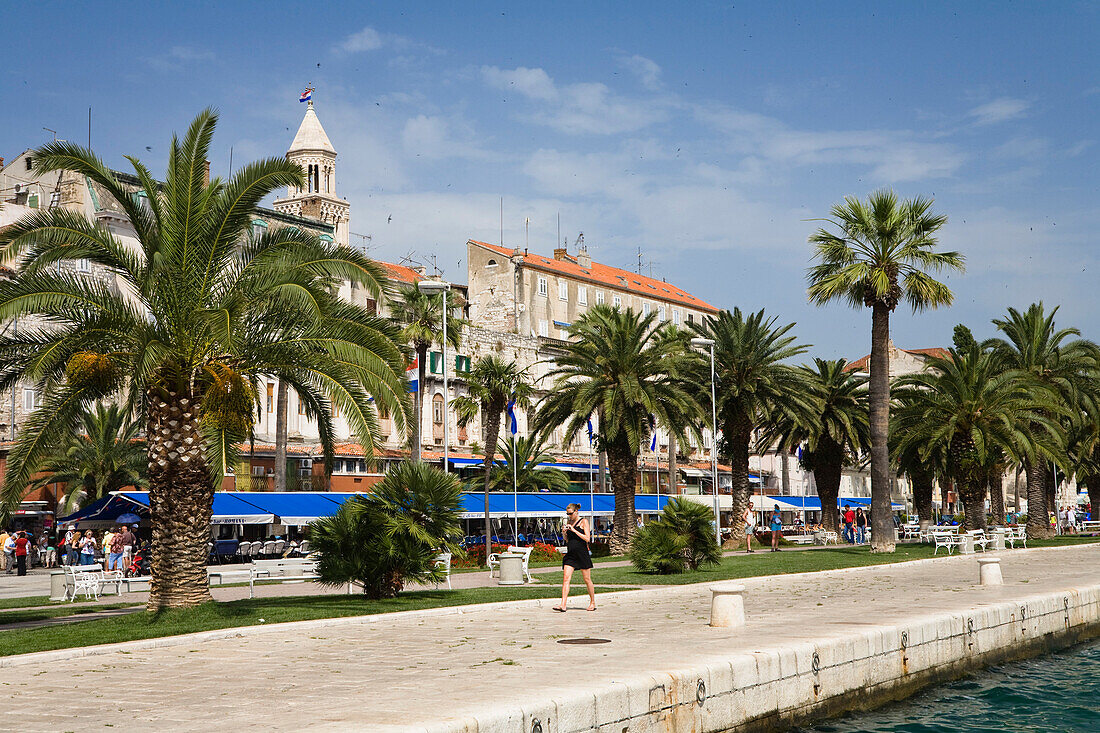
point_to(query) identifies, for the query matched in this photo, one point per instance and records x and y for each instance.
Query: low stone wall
(795, 683)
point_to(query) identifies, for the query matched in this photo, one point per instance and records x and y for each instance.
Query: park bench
(946, 539)
(1014, 535)
(239, 575)
(799, 539)
(824, 538)
(1091, 525)
(90, 580)
(283, 569)
(494, 560)
(443, 562)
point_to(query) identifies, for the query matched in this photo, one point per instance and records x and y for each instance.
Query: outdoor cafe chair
(256, 549)
(303, 549)
(268, 548)
(279, 546)
(244, 550)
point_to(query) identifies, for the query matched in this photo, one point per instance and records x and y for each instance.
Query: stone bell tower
(312, 150)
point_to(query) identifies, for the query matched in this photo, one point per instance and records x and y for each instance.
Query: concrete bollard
(57, 585)
(727, 605)
(998, 539)
(989, 571)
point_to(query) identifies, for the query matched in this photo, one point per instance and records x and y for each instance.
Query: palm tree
(617, 368)
(837, 433)
(200, 314)
(522, 463)
(754, 388)
(880, 254)
(680, 338)
(420, 317)
(976, 413)
(922, 464)
(1062, 364)
(101, 456)
(493, 383)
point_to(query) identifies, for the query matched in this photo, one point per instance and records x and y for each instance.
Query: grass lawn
(763, 562)
(142, 625)
(18, 616)
(25, 601)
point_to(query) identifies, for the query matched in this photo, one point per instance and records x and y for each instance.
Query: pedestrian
(1071, 519)
(577, 556)
(87, 548)
(861, 526)
(119, 542)
(73, 539)
(51, 551)
(108, 535)
(5, 535)
(22, 548)
(849, 523)
(776, 527)
(9, 551)
(749, 518)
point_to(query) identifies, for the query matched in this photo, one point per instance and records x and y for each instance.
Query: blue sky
(710, 136)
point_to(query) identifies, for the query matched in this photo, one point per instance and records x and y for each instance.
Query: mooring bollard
(989, 571)
(727, 605)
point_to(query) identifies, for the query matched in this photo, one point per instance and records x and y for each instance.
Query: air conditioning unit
(21, 187)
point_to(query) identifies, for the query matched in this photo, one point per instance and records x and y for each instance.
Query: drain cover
(584, 641)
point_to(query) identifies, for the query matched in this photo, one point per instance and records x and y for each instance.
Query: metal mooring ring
(1023, 612)
(536, 726)
(1065, 602)
(701, 692)
(904, 639)
(970, 626)
(815, 665)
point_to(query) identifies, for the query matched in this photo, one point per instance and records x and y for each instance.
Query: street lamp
(437, 287)
(704, 343)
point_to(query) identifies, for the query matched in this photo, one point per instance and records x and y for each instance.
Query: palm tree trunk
(882, 527)
(181, 496)
(1050, 483)
(490, 413)
(418, 405)
(828, 468)
(673, 468)
(1016, 491)
(280, 436)
(922, 496)
(737, 433)
(972, 493)
(997, 500)
(1092, 483)
(1038, 525)
(623, 465)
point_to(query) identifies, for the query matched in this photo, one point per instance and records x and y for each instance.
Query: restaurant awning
(294, 507)
(228, 507)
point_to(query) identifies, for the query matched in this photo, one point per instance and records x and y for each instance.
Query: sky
(706, 141)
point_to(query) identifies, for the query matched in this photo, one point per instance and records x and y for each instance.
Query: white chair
(244, 551)
(303, 549)
(443, 562)
(268, 548)
(279, 545)
(494, 559)
(257, 549)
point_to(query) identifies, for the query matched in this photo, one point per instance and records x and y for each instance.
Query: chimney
(560, 253)
(583, 258)
(206, 172)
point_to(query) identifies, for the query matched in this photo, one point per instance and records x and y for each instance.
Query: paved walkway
(406, 672)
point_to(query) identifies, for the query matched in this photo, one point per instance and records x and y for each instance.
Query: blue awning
(294, 507)
(107, 509)
(228, 507)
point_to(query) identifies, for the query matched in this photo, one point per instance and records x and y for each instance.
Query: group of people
(1067, 519)
(71, 547)
(775, 526)
(854, 525)
(17, 547)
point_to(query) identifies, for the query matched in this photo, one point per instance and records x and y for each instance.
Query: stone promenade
(418, 672)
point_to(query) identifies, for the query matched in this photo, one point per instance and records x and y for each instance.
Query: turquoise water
(1058, 693)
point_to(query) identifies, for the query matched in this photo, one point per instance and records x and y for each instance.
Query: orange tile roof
(399, 273)
(862, 365)
(610, 276)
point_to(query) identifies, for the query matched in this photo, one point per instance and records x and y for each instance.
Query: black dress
(576, 552)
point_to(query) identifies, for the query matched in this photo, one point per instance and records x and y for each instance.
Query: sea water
(1060, 692)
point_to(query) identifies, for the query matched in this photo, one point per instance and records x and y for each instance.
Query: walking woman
(861, 526)
(749, 518)
(776, 526)
(577, 556)
(87, 549)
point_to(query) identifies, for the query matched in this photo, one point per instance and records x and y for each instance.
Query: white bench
(799, 539)
(1091, 525)
(494, 560)
(443, 562)
(224, 575)
(283, 569)
(90, 580)
(1014, 535)
(948, 540)
(824, 538)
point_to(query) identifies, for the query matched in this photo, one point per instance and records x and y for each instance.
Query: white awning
(693, 472)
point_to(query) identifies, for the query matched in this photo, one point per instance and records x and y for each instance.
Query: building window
(437, 409)
(676, 316)
(258, 228)
(301, 406)
(660, 314)
(542, 286)
(31, 399)
(563, 334)
(582, 295)
(563, 290)
(616, 300)
(645, 309)
(270, 397)
(544, 328)
(83, 265)
(30, 163)
(691, 319)
(599, 297)
(491, 263)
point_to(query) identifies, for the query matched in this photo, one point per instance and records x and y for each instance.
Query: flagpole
(515, 492)
(591, 491)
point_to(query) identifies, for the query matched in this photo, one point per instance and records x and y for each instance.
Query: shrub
(391, 537)
(681, 539)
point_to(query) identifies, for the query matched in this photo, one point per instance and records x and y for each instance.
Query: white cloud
(367, 39)
(999, 110)
(533, 83)
(647, 70)
(435, 138)
(178, 57)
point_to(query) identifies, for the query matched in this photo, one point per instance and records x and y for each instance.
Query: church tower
(312, 150)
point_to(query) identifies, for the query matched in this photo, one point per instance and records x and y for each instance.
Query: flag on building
(307, 95)
(412, 374)
(513, 426)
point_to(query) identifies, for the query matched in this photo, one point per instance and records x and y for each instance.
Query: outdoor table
(511, 569)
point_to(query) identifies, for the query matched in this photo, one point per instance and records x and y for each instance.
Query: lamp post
(436, 287)
(704, 343)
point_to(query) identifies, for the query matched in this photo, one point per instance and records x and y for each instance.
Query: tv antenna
(366, 241)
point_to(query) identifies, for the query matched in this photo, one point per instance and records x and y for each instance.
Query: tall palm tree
(523, 464)
(102, 455)
(976, 413)
(755, 389)
(420, 317)
(201, 312)
(837, 433)
(881, 253)
(493, 383)
(619, 369)
(1064, 365)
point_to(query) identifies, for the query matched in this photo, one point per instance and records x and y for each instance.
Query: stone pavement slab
(410, 672)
